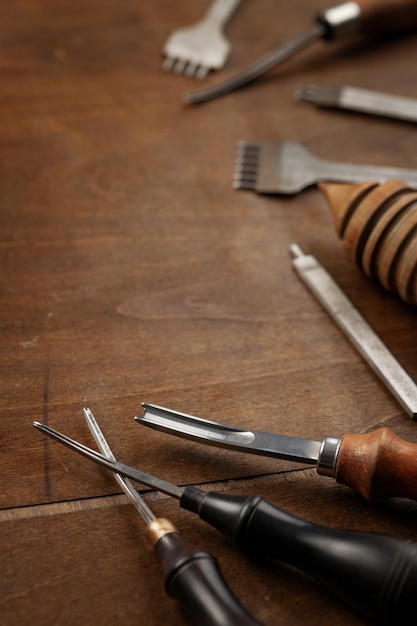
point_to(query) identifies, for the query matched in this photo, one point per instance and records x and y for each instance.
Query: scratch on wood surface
(60, 508)
(103, 502)
(46, 442)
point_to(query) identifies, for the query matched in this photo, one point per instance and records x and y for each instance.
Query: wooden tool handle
(378, 465)
(388, 16)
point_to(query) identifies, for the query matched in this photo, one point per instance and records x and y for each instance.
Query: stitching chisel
(359, 100)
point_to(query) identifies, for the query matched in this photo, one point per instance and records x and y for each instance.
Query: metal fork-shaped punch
(375, 574)
(192, 577)
(288, 167)
(197, 49)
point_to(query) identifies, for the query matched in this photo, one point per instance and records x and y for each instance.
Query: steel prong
(135, 499)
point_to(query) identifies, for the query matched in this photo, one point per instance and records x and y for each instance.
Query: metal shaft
(135, 499)
(357, 329)
(114, 466)
(258, 68)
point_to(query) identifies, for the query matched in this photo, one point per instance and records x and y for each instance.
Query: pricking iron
(288, 167)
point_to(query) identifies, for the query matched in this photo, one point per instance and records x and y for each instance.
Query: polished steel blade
(114, 466)
(224, 436)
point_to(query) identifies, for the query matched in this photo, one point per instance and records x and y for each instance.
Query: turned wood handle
(388, 16)
(378, 465)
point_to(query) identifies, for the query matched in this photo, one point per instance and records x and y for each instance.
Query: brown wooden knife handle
(388, 16)
(378, 465)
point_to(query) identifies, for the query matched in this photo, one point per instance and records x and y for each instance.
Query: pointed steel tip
(295, 251)
(37, 424)
(192, 98)
(209, 93)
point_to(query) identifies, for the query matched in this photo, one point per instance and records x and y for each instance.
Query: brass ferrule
(157, 529)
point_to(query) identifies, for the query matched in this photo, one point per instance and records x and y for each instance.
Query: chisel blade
(231, 437)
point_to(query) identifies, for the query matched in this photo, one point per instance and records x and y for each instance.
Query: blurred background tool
(370, 18)
(197, 49)
(348, 318)
(378, 464)
(359, 100)
(192, 577)
(374, 574)
(378, 227)
(288, 168)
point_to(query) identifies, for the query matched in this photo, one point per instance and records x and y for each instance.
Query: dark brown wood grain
(132, 270)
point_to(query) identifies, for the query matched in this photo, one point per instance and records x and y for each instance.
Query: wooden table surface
(132, 271)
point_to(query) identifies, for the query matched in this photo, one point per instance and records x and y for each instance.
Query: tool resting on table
(360, 100)
(192, 577)
(287, 168)
(374, 574)
(377, 465)
(370, 18)
(201, 47)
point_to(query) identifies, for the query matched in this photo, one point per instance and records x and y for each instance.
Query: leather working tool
(374, 574)
(360, 101)
(288, 167)
(191, 576)
(201, 47)
(378, 465)
(370, 18)
(348, 318)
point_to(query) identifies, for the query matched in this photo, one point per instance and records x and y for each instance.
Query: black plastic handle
(194, 579)
(375, 574)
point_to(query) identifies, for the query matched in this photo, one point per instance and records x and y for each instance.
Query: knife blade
(378, 465)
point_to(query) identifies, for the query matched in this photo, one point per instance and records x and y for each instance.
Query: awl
(370, 18)
(378, 465)
(375, 574)
(191, 576)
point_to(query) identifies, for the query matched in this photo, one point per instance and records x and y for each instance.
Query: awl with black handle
(374, 574)
(192, 576)
(378, 465)
(369, 18)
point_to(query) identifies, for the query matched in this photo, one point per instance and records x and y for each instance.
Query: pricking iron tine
(246, 166)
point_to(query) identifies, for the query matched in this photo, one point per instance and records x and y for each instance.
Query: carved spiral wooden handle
(378, 465)
(378, 227)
